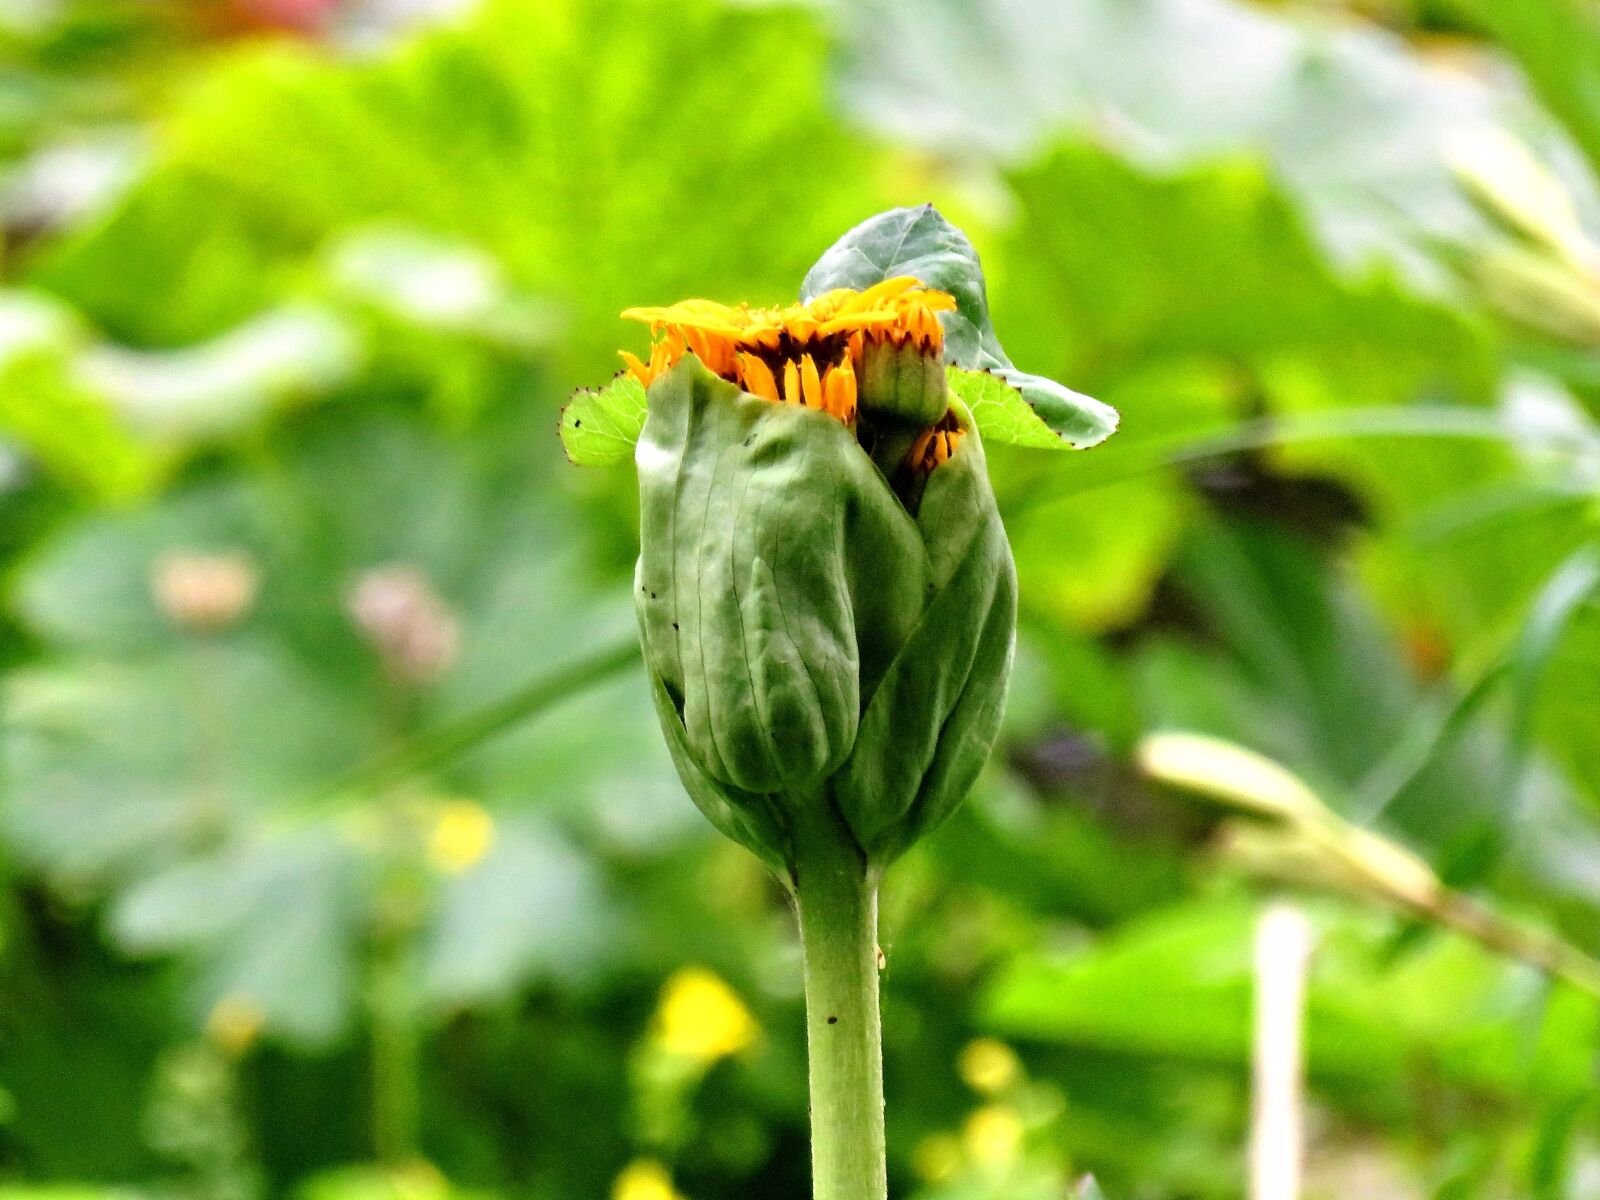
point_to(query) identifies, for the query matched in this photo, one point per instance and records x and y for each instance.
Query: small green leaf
(1088, 1189)
(599, 426)
(1081, 421)
(921, 243)
(999, 410)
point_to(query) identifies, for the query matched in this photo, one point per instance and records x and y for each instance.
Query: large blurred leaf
(272, 926)
(1358, 126)
(565, 140)
(1179, 983)
(174, 770)
(115, 768)
(1557, 42)
(1117, 265)
(531, 908)
(1567, 719)
(53, 415)
(1074, 563)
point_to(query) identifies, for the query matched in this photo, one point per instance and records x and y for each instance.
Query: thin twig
(454, 738)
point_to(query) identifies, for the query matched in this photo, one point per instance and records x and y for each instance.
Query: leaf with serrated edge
(921, 243)
(599, 426)
(999, 410)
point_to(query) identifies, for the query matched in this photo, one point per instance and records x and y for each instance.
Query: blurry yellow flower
(993, 1135)
(462, 835)
(936, 1158)
(701, 1018)
(417, 1179)
(234, 1022)
(644, 1179)
(988, 1066)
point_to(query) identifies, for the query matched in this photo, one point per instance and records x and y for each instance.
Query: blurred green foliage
(342, 858)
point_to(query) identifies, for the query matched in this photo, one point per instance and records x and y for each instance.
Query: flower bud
(405, 621)
(204, 593)
(822, 635)
(904, 381)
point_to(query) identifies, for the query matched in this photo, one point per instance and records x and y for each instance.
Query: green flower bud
(811, 639)
(903, 381)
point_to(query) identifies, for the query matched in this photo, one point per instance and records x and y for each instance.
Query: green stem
(838, 905)
(396, 1053)
(466, 733)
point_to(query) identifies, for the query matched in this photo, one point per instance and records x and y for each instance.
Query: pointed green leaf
(999, 410)
(921, 243)
(599, 426)
(1088, 1189)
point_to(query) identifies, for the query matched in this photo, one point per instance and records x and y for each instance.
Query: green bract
(811, 641)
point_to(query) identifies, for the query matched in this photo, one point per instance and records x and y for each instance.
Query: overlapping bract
(818, 650)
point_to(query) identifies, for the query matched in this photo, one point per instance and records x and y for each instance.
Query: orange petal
(810, 381)
(758, 379)
(839, 391)
(636, 368)
(791, 383)
(916, 457)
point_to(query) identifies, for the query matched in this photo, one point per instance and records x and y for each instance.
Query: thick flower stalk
(827, 602)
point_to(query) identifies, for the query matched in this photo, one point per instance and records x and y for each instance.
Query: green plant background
(307, 281)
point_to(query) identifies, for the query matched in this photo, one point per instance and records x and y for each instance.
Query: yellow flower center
(809, 354)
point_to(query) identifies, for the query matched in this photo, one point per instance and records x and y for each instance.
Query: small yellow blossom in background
(234, 1023)
(462, 834)
(993, 1136)
(700, 1017)
(936, 1158)
(988, 1066)
(645, 1179)
(418, 1179)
